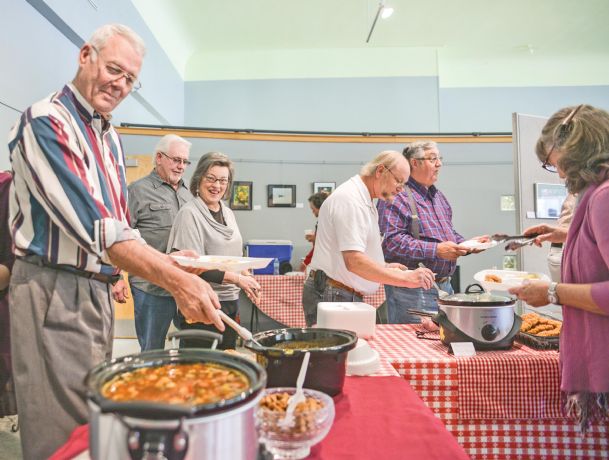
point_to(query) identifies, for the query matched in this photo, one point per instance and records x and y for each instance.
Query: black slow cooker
(327, 364)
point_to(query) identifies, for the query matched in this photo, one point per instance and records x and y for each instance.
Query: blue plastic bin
(280, 249)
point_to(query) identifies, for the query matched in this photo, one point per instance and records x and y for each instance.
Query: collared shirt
(153, 206)
(68, 203)
(348, 221)
(435, 220)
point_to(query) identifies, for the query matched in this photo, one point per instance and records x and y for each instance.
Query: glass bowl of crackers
(312, 421)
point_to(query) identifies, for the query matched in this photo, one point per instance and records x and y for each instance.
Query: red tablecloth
(379, 418)
(499, 404)
(376, 417)
(282, 298)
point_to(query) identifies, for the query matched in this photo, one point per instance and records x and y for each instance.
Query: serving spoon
(288, 420)
(441, 293)
(243, 332)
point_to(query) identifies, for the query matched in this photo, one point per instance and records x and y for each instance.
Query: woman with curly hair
(575, 143)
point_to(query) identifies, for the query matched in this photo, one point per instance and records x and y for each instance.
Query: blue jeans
(153, 315)
(400, 299)
(312, 294)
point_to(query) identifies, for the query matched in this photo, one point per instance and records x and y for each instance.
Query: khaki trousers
(61, 326)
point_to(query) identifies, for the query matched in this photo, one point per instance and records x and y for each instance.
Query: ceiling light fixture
(384, 12)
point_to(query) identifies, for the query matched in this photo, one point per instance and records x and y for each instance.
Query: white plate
(509, 279)
(225, 263)
(475, 244)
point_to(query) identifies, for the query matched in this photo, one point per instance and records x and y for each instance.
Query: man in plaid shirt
(417, 227)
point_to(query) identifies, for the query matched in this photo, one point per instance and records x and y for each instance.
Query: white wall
(38, 58)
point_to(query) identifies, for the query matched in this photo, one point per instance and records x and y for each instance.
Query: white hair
(165, 143)
(387, 158)
(105, 32)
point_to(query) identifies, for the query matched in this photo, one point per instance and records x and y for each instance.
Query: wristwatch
(552, 295)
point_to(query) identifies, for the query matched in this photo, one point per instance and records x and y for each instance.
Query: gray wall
(316, 104)
(39, 58)
(474, 177)
(392, 104)
(490, 109)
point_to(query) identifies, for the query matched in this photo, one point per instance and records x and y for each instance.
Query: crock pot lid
(477, 299)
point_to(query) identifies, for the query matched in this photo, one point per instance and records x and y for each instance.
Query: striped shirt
(435, 223)
(68, 203)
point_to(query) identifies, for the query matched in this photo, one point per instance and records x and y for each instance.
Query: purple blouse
(584, 340)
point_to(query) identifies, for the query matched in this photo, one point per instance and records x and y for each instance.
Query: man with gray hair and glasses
(418, 228)
(348, 260)
(154, 202)
(69, 218)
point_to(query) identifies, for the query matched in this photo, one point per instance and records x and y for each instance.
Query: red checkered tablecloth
(282, 298)
(500, 405)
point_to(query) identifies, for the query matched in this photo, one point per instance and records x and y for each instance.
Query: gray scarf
(225, 230)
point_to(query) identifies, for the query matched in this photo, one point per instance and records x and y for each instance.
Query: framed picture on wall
(548, 200)
(281, 196)
(509, 262)
(327, 187)
(241, 196)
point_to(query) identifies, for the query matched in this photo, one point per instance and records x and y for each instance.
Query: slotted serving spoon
(441, 293)
(298, 397)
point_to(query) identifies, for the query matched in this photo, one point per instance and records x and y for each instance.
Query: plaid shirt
(435, 222)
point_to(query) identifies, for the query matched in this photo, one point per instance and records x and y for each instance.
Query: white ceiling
(462, 41)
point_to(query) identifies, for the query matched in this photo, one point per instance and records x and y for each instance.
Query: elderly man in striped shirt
(69, 220)
(417, 227)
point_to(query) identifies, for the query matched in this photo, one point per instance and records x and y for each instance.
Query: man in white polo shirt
(348, 260)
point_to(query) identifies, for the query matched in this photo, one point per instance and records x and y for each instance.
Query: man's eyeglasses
(176, 161)
(398, 182)
(117, 73)
(213, 179)
(431, 159)
(560, 136)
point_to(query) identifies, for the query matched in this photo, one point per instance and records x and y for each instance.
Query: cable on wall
(10, 107)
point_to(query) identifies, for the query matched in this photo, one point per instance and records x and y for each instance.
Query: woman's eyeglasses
(213, 179)
(561, 134)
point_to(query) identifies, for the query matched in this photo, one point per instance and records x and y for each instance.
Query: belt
(443, 279)
(37, 260)
(556, 245)
(338, 284)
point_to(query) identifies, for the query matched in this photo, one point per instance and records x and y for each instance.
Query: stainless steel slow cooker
(486, 320)
(226, 429)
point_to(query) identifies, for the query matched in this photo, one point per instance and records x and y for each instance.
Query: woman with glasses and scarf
(208, 226)
(575, 143)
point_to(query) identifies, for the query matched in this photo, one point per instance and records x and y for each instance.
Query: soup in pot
(307, 344)
(184, 383)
